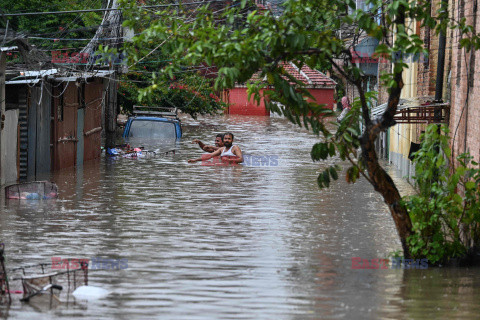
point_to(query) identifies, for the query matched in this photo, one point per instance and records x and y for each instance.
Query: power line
(106, 9)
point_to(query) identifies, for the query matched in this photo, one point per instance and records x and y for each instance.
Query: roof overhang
(6, 49)
(417, 110)
(24, 81)
(83, 75)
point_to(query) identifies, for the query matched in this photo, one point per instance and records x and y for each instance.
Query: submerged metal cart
(33, 280)
(36, 190)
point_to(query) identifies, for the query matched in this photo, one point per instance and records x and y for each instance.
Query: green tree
(51, 31)
(188, 90)
(190, 93)
(240, 40)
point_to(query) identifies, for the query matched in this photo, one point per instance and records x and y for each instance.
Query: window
(152, 129)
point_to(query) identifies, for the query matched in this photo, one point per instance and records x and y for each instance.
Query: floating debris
(36, 190)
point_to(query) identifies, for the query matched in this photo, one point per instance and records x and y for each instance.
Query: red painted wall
(323, 96)
(239, 104)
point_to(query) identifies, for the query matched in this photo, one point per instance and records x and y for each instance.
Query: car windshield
(152, 129)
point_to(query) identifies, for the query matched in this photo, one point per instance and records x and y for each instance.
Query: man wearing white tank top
(229, 153)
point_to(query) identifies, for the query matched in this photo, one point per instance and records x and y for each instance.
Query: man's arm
(210, 148)
(207, 156)
(205, 147)
(200, 143)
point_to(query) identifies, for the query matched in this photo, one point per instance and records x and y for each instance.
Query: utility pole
(111, 110)
(109, 28)
(442, 40)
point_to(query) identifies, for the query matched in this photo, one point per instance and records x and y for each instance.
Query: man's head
(228, 139)
(219, 140)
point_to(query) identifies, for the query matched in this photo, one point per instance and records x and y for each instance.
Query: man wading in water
(229, 153)
(218, 144)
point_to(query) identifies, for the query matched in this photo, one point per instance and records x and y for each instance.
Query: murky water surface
(214, 242)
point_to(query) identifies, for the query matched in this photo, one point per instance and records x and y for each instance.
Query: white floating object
(90, 293)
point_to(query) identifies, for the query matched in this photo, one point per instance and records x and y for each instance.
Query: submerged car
(153, 123)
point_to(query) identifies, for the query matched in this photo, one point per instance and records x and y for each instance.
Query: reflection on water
(228, 242)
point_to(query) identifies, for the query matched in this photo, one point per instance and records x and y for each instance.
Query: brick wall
(465, 78)
(383, 67)
(427, 68)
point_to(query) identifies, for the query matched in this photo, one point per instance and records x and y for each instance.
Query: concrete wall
(405, 166)
(402, 134)
(10, 154)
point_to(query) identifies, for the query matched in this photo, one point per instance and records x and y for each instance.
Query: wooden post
(111, 112)
(2, 115)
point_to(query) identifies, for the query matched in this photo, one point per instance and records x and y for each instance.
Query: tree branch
(363, 101)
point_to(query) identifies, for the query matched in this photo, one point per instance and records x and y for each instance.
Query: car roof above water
(151, 118)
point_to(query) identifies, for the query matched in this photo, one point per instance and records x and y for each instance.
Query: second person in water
(228, 153)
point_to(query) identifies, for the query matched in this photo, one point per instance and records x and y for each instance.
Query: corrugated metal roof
(40, 73)
(5, 49)
(57, 75)
(403, 104)
(24, 81)
(83, 75)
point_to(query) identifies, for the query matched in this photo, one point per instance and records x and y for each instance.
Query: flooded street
(228, 242)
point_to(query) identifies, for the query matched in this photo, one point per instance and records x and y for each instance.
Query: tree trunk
(380, 179)
(383, 183)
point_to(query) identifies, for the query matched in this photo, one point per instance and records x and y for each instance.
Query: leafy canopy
(52, 31)
(241, 40)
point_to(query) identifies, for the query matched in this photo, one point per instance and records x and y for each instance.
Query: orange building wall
(239, 104)
(324, 96)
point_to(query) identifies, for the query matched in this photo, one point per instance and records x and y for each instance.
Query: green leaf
(333, 173)
(347, 137)
(319, 151)
(470, 185)
(331, 150)
(326, 178)
(320, 181)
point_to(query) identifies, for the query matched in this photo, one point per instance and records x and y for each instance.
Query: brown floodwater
(222, 242)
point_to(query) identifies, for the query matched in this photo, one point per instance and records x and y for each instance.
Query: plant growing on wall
(446, 211)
